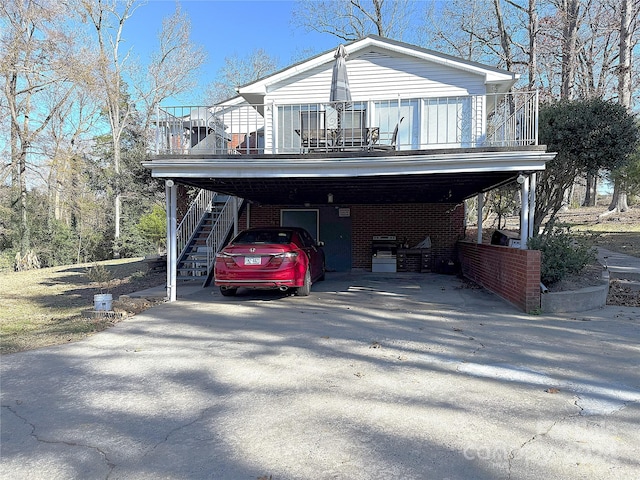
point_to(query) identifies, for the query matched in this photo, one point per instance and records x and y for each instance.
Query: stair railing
(220, 229)
(191, 221)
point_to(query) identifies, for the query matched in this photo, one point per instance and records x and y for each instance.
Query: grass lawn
(44, 307)
(619, 232)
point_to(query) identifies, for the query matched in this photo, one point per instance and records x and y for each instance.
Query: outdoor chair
(313, 132)
(352, 132)
(392, 144)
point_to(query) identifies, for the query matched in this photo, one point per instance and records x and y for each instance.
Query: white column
(524, 214)
(480, 209)
(171, 192)
(532, 204)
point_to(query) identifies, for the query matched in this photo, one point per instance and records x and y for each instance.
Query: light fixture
(330, 198)
(170, 183)
(521, 178)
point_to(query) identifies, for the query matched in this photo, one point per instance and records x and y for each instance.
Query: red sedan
(269, 258)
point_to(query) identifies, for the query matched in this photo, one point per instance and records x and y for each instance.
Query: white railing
(507, 120)
(512, 119)
(191, 221)
(221, 229)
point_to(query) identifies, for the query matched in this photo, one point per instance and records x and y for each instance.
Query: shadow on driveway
(371, 376)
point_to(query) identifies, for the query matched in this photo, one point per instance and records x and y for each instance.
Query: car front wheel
(305, 289)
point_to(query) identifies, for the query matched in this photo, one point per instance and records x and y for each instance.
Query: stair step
(192, 263)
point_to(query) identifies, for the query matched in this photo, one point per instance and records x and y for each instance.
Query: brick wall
(442, 222)
(510, 273)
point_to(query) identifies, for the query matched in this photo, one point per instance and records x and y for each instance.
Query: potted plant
(101, 276)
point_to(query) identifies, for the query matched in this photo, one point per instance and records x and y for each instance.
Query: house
(388, 168)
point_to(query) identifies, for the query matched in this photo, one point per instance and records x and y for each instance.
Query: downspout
(235, 215)
(172, 241)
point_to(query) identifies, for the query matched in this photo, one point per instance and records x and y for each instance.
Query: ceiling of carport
(433, 176)
(431, 188)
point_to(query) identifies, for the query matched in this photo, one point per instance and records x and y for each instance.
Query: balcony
(412, 124)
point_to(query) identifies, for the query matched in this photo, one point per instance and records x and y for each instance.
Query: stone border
(588, 298)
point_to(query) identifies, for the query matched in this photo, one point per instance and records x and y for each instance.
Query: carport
(355, 178)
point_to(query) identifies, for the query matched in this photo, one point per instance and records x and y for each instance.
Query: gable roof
(502, 80)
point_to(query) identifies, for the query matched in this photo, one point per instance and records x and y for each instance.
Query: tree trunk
(590, 191)
(570, 9)
(25, 238)
(533, 44)
(117, 199)
(619, 199)
(624, 67)
(505, 41)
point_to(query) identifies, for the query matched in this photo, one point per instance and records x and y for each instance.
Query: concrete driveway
(374, 376)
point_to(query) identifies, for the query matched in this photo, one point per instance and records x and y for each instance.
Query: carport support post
(171, 192)
(480, 208)
(532, 204)
(524, 214)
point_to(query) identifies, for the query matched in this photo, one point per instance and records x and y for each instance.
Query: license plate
(252, 260)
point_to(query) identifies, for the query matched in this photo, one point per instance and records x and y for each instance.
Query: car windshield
(264, 236)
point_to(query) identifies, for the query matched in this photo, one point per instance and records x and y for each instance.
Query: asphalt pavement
(373, 376)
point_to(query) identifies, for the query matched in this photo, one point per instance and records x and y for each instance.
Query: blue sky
(227, 28)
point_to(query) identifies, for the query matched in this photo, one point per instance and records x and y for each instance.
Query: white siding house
(422, 129)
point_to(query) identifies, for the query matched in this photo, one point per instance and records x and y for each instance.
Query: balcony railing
(505, 120)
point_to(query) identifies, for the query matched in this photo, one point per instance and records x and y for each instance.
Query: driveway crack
(514, 452)
(174, 430)
(33, 433)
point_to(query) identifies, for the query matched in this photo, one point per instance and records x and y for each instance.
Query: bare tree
(570, 12)
(351, 20)
(167, 75)
(629, 10)
(36, 55)
(463, 29)
(174, 65)
(108, 18)
(532, 30)
(237, 72)
(66, 142)
(495, 32)
(505, 38)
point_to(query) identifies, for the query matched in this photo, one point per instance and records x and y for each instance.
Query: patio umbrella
(340, 91)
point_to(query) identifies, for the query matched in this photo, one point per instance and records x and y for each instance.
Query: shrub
(562, 254)
(100, 275)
